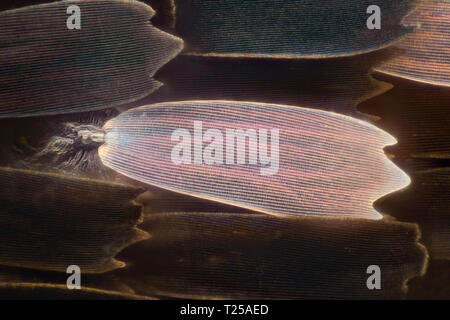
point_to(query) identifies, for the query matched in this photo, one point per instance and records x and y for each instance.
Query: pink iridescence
(328, 164)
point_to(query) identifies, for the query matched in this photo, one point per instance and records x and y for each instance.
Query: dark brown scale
(47, 69)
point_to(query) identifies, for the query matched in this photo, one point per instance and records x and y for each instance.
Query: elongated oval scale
(48, 68)
(288, 29)
(269, 158)
(50, 221)
(256, 256)
(425, 53)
